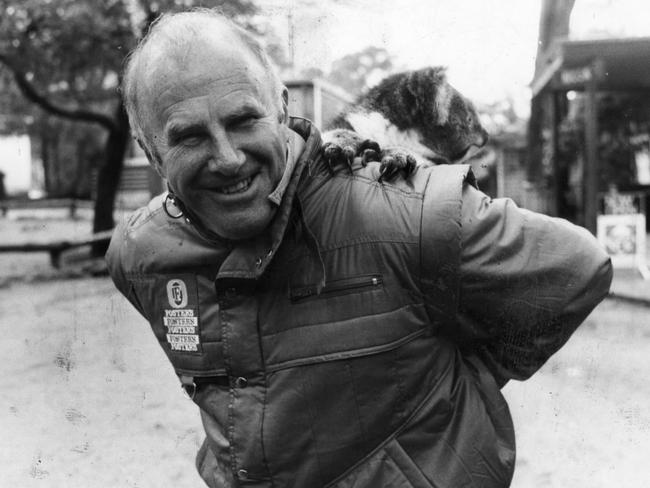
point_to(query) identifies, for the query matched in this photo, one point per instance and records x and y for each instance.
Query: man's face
(219, 135)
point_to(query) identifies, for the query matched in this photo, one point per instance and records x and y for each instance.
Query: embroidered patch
(177, 293)
(182, 319)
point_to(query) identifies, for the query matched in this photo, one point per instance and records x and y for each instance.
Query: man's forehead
(223, 54)
(202, 67)
(199, 80)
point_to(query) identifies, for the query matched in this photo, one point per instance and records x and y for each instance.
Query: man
(334, 331)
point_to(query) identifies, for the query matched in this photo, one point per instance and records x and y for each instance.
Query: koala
(414, 117)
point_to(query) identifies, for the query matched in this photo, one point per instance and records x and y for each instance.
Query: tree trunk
(108, 176)
(44, 137)
(553, 25)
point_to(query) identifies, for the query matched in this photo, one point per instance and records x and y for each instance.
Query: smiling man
(216, 127)
(333, 329)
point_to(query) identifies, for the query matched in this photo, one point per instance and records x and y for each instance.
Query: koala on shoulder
(415, 117)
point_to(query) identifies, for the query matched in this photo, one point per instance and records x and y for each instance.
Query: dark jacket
(362, 341)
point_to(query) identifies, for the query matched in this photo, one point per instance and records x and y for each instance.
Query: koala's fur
(414, 111)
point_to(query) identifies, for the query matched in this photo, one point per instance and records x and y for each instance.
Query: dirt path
(584, 419)
(89, 398)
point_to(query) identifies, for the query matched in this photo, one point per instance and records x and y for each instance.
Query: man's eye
(244, 121)
(191, 139)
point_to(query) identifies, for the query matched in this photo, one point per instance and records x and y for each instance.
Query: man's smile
(239, 187)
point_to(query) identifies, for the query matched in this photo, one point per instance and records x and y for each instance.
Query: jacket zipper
(355, 283)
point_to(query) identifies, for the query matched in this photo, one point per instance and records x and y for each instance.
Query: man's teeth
(237, 187)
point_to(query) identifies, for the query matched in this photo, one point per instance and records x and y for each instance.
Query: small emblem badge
(177, 293)
(180, 318)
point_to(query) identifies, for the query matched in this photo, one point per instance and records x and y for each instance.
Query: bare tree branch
(30, 92)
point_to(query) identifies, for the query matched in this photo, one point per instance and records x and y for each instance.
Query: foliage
(501, 119)
(359, 71)
(16, 113)
(71, 51)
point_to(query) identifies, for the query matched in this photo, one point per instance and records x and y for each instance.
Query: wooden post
(590, 168)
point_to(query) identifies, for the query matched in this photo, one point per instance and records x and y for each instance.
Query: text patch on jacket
(180, 313)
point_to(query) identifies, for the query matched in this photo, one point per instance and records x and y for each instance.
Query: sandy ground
(90, 400)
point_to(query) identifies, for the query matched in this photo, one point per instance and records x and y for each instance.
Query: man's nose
(226, 158)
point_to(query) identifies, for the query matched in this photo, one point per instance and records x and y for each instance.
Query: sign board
(576, 76)
(16, 163)
(623, 237)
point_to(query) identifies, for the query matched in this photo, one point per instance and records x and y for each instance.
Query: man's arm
(527, 281)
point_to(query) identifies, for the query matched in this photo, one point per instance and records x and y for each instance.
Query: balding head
(171, 41)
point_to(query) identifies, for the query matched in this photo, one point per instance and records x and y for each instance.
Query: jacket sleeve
(527, 281)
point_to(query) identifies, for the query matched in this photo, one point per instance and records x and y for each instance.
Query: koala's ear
(430, 94)
(437, 74)
(443, 99)
(439, 93)
(432, 76)
(413, 95)
(440, 72)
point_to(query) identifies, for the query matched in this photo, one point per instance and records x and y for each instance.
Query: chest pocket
(351, 316)
(184, 317)
(343, 286)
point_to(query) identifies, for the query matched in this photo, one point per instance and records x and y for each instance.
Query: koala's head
(447, 122)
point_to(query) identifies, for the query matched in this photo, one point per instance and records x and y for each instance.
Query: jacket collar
(249, 259)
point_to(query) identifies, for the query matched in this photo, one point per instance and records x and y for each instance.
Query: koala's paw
(343, 155)
(369, 151)
(394, 163)
(336, 155)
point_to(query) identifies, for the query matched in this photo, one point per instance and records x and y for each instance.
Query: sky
(488, 46)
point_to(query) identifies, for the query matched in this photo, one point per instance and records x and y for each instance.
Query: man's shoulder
(144, 228)
(135, 225)
(358, 204)
(364, 181)
(152, 241)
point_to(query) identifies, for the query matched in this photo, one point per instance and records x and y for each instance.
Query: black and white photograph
(325, 244)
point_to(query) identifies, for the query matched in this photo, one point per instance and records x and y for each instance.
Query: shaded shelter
(596, 102)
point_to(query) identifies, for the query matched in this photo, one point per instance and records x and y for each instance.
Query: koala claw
(348, 156)
(394, 163)
(369, 150)
(336, 154)
(369, 155)
(332, 153)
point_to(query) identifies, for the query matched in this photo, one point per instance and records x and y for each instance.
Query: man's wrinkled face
(219, 135)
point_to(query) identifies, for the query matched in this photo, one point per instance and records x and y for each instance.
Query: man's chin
(238, 226)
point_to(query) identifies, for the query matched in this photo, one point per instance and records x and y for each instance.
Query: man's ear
(153, 160)
(285, 104)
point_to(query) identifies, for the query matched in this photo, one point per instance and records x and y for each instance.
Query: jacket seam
(421, 236)
(359, 241)
(348, 354)
(372, 182)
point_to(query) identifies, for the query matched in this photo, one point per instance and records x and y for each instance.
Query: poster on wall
(623, 237)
